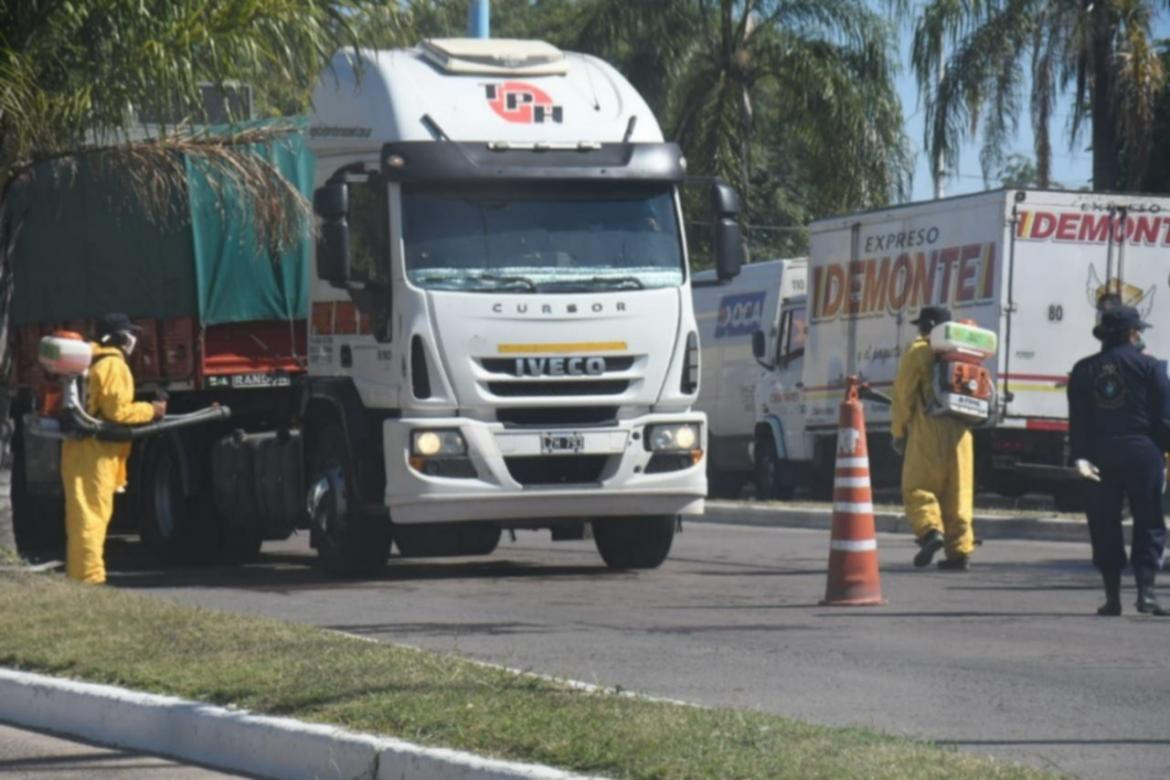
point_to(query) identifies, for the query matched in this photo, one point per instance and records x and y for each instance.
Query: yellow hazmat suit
(938, 477)
(91, 470)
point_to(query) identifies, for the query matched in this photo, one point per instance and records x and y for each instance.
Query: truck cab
(782, 447)
(501, 331)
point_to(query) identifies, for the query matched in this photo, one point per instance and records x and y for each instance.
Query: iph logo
(522, 103)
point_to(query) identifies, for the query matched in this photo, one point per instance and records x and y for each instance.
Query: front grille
(508, 365)
(572, 387)
(556, 470)
(558, 416)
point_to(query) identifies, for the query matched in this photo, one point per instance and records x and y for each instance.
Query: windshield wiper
(524, 280)
(595, 281)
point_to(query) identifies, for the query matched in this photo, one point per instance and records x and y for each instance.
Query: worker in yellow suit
(92, 470)
(938, 474)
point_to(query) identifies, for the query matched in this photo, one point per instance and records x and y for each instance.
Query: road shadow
(130, 565)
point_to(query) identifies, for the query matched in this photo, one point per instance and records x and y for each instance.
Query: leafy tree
(790, 100)
(1002, 49)
(1020, 172)
(1157, 176)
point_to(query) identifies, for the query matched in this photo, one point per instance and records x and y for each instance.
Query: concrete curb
(1049, 529)
(235, 740)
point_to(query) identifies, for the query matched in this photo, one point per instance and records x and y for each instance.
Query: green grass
(50, 625)
(9, 557)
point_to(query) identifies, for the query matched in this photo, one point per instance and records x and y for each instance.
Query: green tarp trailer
(85, 246)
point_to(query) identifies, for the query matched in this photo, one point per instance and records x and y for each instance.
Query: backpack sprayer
(961, 385)
(67, 357)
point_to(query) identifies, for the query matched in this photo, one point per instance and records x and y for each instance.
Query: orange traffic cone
(853, 556)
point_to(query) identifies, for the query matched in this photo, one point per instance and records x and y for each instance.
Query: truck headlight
(432, 444)
(665, 438)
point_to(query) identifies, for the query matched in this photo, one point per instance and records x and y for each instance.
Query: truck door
(783, 398)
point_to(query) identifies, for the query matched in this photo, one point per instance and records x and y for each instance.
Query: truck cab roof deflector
(414, 161)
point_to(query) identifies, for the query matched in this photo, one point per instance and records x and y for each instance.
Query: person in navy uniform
(1119, 430)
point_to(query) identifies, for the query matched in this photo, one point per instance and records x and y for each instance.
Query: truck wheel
(38, 521)
(349, 543)
(774, 477)
(173, 526)
(429, 540)
(634, 542)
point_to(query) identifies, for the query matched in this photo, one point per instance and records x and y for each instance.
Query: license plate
(561, 443)
(245, 381)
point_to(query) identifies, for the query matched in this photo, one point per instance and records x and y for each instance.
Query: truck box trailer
(1033, 266)
(498, 327)
(728, 315)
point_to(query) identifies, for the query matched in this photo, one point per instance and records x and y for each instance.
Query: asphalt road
(1007, 659)
(31, 755)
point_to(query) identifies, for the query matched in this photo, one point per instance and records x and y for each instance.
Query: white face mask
(129, 341)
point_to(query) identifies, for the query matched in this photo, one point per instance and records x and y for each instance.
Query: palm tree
(754, 90)
(1100, 49)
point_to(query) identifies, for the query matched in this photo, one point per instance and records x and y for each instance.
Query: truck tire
(429, 540)
(634, 542)
(175, 527)
(775, 479)
(349, 543)
(38, 521)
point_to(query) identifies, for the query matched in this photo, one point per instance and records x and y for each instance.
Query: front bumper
(509, 468)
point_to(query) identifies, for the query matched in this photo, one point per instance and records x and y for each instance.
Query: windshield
(534, 238)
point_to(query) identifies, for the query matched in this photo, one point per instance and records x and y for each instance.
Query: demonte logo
(523, 103)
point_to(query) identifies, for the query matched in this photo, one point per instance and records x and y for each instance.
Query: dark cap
(931, 316)
(115, 322)
(1117, 320)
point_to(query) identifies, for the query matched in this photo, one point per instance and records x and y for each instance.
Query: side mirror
(331, 203)
(758, 344)
(727, 240)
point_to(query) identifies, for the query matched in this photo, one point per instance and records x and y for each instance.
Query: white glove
(1087, 470)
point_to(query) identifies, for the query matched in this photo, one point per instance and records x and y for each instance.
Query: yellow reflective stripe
(562, 348)
(1026, 387)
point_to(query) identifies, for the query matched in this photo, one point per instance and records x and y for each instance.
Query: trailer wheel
(634, 542)
(174, 526)
(774, 477)
(38, 521)
(349, 543)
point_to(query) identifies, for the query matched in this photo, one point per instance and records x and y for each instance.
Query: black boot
(931, 543)
(1147, 599)
(1112, 605)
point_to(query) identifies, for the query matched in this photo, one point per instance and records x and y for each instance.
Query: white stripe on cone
(851, 482)
(859, 545)
(852, 463)
(853, 508)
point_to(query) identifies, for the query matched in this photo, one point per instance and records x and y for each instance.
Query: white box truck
(728, 314)
(1033, 266)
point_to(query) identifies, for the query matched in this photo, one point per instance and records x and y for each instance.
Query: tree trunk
(1106, 151)
(7, 527)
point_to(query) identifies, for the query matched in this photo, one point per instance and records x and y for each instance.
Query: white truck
(505, 219)
(728, 314)
(1033, 266)
(498, 326)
